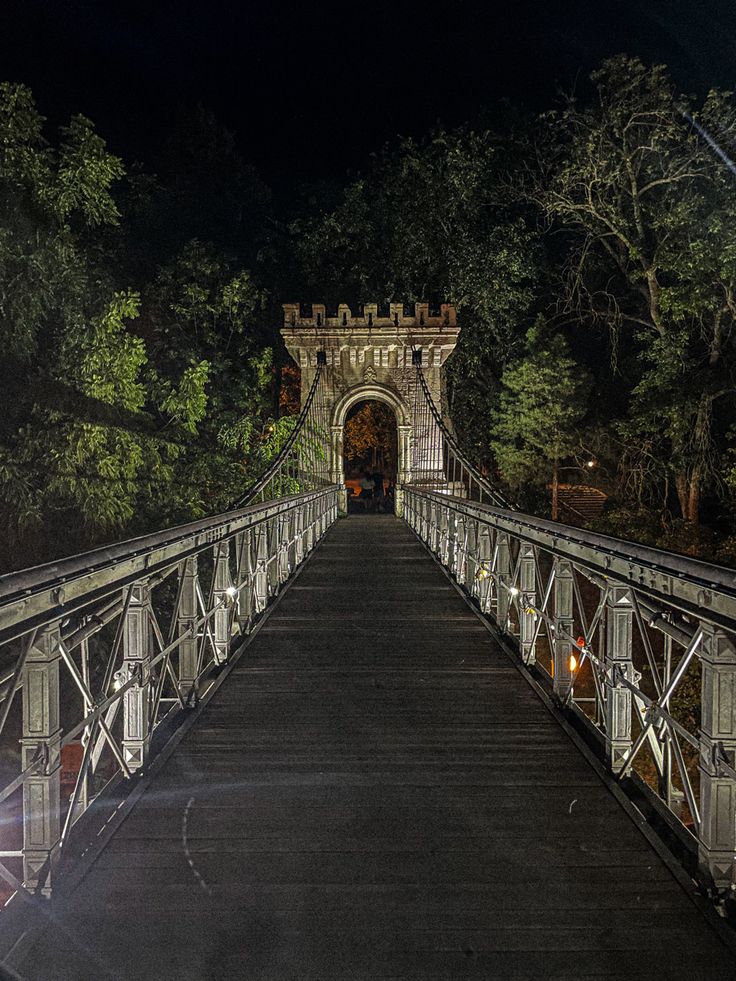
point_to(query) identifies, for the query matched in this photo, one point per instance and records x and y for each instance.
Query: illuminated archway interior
(370, 443)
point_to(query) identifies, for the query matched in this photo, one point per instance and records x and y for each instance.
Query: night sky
(312, 88)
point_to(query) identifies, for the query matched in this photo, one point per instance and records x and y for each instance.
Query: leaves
(541, 405)
(139, 407)
(85, 174)
(651, 209)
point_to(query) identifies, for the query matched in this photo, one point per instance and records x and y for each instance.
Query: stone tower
(372, 357)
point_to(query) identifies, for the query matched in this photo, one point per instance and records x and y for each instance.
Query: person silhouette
(379, 497)
(366, 489)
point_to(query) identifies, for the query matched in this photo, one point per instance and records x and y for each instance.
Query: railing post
(41, 740)
(136, 664)
(446, 530)
(410, 511)
(291, 524)
(272, 538)
(282, 544)
(528, 599)
(434, 528)
(308, 530)
(563, 624)
(298, 535)
(425, 529)
(503, 579)
(717, 839)
(619, 664)
(322, 518)
(316, 514)
(220, 599)
(471, 562)
(261, 574)
(458, 552)
(187, 622)
(245, 567)
(485, 552)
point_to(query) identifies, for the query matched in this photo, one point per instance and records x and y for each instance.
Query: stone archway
(369, 391)
(371, 357)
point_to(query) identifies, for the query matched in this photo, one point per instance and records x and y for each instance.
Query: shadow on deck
(376, 792)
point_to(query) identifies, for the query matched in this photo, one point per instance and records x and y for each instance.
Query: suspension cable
(298, 456)
(449, 446)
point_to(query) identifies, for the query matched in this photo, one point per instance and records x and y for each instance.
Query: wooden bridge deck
(376, 792)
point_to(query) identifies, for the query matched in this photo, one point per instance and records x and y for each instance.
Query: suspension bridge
(458, 741)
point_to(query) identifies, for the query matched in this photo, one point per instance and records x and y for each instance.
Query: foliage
(540, 408)
(593, 250)
(123, 404)
(370, 435)
(650, 210)
(44, 195)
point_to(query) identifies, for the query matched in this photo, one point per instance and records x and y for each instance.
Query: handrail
(31, 597)
(157, 647)
(163, 611)
(691, 585)
(15, 587)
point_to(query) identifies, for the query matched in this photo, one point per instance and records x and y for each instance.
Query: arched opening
(370, 456)
(396, 459)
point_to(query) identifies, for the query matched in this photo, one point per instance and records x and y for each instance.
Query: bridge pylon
(367, 356)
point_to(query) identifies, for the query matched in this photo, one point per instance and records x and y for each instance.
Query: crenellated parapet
(369, 318)
(358, 342)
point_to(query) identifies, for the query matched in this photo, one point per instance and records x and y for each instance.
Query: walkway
(375, 792)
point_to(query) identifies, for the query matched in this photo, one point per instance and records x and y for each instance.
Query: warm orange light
(573, 662)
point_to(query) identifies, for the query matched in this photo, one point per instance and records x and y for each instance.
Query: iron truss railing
(98, 651)
(640, 644)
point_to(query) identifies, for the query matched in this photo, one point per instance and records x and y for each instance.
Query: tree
(70, 441)
(47, 198)
(126, 408)
(651, 211)
(536, 424)
(203, 309)
(371, 432)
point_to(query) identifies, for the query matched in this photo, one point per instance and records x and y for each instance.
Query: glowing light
(590, 463)
(573, 662)
(232, 591)
(513, 591)
(482, 572)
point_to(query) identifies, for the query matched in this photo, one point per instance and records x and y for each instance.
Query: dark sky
(312, 88)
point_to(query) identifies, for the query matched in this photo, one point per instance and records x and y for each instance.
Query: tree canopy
(136, 393)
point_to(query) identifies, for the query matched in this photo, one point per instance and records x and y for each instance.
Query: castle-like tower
(371, 357)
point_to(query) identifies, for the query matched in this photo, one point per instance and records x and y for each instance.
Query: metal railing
(97, 651)
(639, 643)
